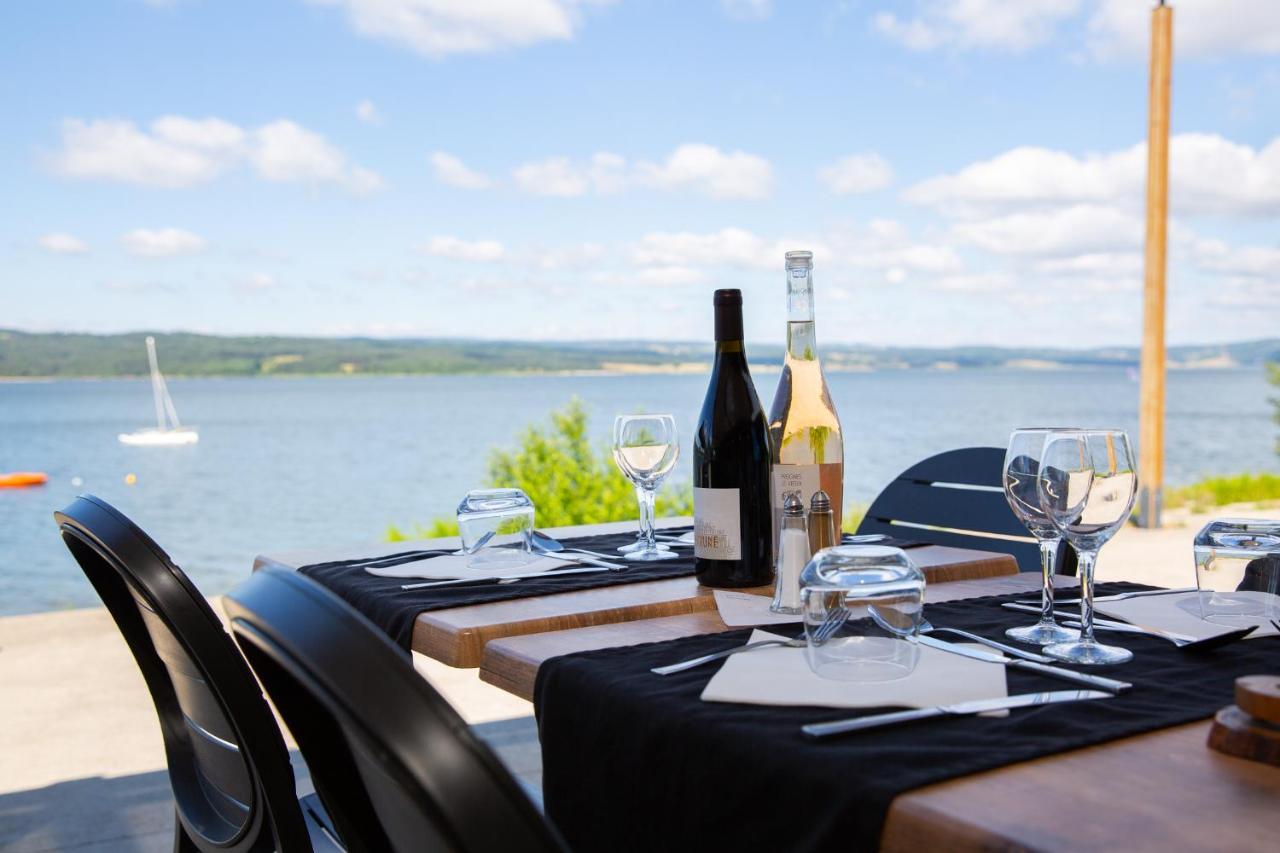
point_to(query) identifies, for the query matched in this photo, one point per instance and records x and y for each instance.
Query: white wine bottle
(804, 431)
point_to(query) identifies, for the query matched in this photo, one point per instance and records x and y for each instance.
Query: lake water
(295, 463)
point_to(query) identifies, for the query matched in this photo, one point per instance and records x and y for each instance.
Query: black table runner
(394, 609)
(635, 761)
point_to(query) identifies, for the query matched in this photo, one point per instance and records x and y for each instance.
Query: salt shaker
(822, 522)
(793, 554)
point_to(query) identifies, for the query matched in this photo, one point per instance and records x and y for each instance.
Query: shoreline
(680, 369)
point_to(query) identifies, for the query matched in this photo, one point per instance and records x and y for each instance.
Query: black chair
(957, 498)
(233, 785)
(394, 764)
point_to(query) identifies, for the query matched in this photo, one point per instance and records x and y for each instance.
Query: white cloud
(570, 257)
(710, 171)
(177, 152)
(857, 173)
(161, 242)
(1074, 230)
(1207, 174)
(732, 247)
(259, 281)
(287, 152)
(452, 171)
(747, 10)
(1094, 263)
(1242, 261)
(482, 251)
(987, 282)
(671, 275)
(1200, 28)
(63, 244)
(704, 169)
(437, 28)
(1012, 25)
(556, 176)
(368, 113)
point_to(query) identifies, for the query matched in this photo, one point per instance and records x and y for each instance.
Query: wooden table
(1164, 790)
(457, 636)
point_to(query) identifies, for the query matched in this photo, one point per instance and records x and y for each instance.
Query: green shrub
(1273, 376)
(569, 480)
(1219, 491)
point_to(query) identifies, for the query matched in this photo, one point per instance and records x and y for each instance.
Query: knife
(978, 706)
(1031, 666)
(1103, 622)
(1119, 596)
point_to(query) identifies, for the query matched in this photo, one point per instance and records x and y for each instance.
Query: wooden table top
(457, 636)
(512, 662)
(1164, 790)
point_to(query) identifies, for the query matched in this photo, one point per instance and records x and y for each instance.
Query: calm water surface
(295, 463)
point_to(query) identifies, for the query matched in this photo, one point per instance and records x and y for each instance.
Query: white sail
(169, 431)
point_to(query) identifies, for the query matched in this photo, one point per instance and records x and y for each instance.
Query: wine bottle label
(717, 524)
(805, 479)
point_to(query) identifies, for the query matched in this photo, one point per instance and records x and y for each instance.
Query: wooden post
(1151, 402)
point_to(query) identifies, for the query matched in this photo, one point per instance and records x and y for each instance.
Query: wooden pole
(1151, 403)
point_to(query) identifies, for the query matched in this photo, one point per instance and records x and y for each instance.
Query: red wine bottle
(733, 528)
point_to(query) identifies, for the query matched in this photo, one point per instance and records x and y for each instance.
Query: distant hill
(24, 354)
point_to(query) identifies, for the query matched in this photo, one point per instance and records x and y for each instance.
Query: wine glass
(1021, 470)
(645, 448)
(1087, 482)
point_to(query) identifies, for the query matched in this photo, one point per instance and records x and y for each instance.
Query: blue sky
(966, 172)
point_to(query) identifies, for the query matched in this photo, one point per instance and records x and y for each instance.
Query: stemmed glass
(1087, 482)
(1021, 470)
(646, 448)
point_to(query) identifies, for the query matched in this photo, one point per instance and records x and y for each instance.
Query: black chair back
(957, 498)
(232, 782)
(395, 766)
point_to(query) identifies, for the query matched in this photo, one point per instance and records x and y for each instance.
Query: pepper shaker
(822, 523)
(793, 555)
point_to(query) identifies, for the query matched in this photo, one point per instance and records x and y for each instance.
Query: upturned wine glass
(1086, 483)
(1021, 470)
(646, 447)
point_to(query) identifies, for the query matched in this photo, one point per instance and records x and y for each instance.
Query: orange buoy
(18, 479)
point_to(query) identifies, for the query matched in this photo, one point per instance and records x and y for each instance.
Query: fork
(834, 621)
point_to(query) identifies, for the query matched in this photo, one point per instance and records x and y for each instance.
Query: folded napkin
(740, 609)
(1176, 612)
(450, 566)
(781, 676)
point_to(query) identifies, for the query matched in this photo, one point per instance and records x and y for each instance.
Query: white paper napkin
(740, 609)
(781, 676)
(1176, 612)
(450, 566)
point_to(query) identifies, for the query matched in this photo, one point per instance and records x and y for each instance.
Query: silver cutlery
(835, 619)
(1119, 596)
(977, 706)
(550, 573)
(927, 628)
(551, 547)
(1086, 679)
(1182, 641)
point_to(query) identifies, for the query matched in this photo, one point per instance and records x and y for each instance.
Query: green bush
(569, 480)
(1219, 491)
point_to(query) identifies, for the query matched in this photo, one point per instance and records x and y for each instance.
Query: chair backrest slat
(396, 767)
(957, 498)
(232, 782)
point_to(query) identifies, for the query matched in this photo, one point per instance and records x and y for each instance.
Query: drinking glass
(1238, 571)
(646, 448)
(862, 606)
(1021, 470)
(1087, 482)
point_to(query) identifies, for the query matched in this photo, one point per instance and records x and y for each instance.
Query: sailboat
(169, 431)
